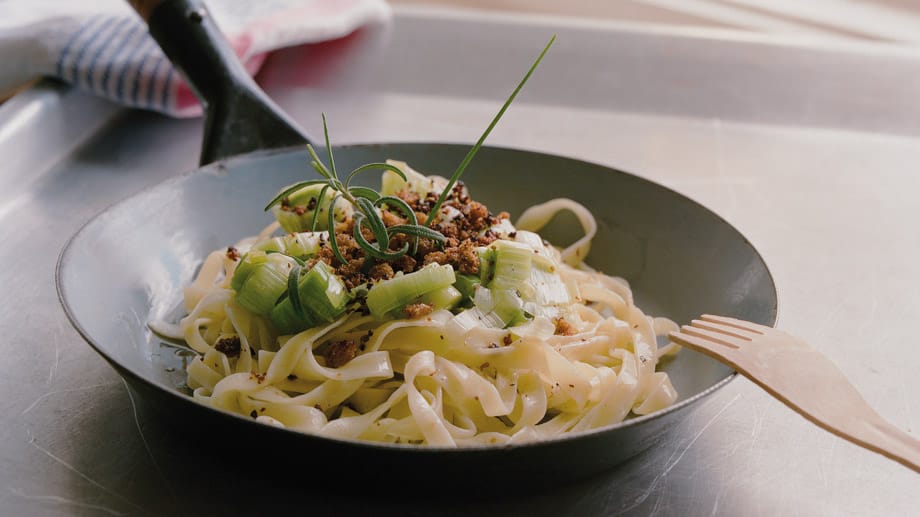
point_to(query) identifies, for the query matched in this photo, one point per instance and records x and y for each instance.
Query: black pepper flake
(507, 339)
(229, 346)
(292, 377)
(253, 413)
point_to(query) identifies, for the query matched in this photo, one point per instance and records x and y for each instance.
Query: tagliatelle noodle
(435, 380)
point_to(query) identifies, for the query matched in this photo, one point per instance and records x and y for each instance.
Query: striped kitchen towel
(104, 47)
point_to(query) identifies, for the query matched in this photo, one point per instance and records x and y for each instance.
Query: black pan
(128, 265)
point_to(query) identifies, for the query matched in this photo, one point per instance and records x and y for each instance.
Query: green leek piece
(392, 295)
(444, 298)
(248, 263)
(287, 321)
(507, 305)
(323, 297)
(262, 280)
(391, 183)
(513, 262)
(548, 288)
(303, 244)
(307, 200)
(323, 294)
(486, 264)
(466, 284)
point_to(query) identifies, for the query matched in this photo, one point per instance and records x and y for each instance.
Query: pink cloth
(105, 47)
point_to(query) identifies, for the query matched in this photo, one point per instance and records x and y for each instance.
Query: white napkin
(102, 46)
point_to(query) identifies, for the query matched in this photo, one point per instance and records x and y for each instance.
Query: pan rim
(219, 166)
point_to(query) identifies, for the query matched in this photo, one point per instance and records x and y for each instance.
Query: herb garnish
(366, 200)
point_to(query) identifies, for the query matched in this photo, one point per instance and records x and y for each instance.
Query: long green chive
(475, 149)
(365, 199)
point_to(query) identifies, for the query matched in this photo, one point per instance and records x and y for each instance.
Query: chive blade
(469, 156)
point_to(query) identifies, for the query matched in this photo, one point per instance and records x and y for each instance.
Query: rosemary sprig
(366, 201)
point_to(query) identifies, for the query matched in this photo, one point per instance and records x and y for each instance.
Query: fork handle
(890, 441)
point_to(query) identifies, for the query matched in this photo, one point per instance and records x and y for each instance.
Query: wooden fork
(802, 378)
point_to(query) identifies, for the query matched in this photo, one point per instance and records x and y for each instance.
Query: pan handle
(239, 116)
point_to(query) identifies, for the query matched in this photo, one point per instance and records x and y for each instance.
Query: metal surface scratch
(140, 432)
(76, 471)
(715, 505)
(57, 392)
(675, 458)
(66, 501)
(759, 412)
(57, 359)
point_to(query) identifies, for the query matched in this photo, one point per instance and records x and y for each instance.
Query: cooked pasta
(577, 354)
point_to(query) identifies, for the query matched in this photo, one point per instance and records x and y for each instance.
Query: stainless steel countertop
(809, 149)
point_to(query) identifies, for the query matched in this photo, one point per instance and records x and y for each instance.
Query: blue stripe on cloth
(134, 47)
(73, 39)
(164, 100)
(75, 66)
(147, 47)
(103, 45)
(123, 46)
(152, 81)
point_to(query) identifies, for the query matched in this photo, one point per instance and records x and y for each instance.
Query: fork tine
(738, 324)
(703, 345)
(727, 330)
(715, 337)
(689, 341)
